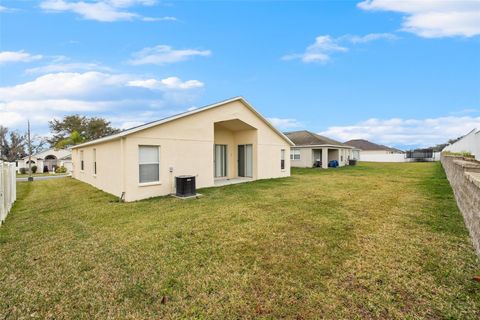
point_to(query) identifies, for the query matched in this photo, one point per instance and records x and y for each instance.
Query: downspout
(122, 156)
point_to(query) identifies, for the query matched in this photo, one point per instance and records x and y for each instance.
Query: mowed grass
(374, 241)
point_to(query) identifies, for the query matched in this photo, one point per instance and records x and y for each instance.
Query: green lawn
(374, 241)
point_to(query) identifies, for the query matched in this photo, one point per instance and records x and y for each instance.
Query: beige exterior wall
(186, 148)
(109, 166)
(307, 156)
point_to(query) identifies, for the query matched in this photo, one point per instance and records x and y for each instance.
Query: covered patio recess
(234, 152)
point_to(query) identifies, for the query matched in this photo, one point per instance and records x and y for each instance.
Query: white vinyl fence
(392, 157)
(468, 143)
(8, 188)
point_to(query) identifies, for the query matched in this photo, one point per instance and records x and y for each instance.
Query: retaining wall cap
(452, 156)
(467, 164)
(474, 177)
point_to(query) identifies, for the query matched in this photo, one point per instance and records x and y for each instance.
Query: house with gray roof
(374, 152)
(314, 150)
(368, 147)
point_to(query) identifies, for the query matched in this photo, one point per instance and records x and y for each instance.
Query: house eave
(182, 115)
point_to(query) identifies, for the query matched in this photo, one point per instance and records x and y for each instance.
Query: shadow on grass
(439, 210)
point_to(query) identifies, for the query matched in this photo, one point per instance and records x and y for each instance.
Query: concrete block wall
(464, 177)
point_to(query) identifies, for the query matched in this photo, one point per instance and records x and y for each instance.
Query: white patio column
(325, 158)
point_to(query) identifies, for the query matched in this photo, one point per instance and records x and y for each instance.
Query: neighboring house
(370, 151)
(48, 160)
(468, 143)
(222, 143)
(312, 150)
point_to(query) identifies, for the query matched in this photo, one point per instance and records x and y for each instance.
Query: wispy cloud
(4, 9)
(406, 132)
(17, 56)
(164, 54)
(368, 37)
(433, 19)
(319, 51)
(56, 64)
(173, 83)
(285, 123)
(67, 67)
(324, 46)
(102, 10)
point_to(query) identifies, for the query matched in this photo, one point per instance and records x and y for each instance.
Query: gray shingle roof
(369, 146)
(307, 138)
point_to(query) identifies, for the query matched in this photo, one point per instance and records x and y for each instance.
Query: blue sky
(403, 73)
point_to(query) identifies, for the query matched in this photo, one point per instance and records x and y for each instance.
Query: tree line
(69, 131)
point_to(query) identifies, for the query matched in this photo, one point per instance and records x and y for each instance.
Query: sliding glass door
(220, 160)
(245, 160)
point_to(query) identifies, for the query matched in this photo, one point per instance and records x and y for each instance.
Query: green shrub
(23, 170)
(464, 154)
(34, 169)
(61, 169)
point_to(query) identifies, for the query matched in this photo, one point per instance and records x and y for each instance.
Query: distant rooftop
(307, 138)
(369, 146)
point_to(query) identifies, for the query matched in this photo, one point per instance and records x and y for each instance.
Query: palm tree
(74, 138)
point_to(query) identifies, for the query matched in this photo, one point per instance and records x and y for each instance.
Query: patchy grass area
(372, 241)
(42, 174)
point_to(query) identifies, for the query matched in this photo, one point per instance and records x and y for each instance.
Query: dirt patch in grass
(374, 241)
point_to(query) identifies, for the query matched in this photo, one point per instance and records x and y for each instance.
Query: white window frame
(282, 159)
(295, 154)
(149, 183)
(82, 162)
(94, 161)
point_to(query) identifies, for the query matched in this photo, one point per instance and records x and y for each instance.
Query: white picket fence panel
(8, 188)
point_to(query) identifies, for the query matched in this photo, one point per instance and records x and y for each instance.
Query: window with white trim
(95, 161)
(82, 166)
(294, 154)
(149, 164)
(282, 159)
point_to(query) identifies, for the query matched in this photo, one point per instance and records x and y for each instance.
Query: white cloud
(406, 132)
(163, 54)
(319, 51)
(151, 19)
(324, 46)
(130, 124)
(174, 83)
(62, 85)
(4, 9)
(286, 123)
(56, 64)
(101, 10)
(67, 67)
(17, 56)
(10, 118)
(92, 92)
(370, 37)
(433, 18)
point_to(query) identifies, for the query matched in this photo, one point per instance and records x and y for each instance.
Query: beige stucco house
(370, 151)
(221, 143)
(47, 161)
(312, 150)
(368, 147)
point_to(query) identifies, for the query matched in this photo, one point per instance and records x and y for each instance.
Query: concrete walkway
(44, 177)
(226, 182)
